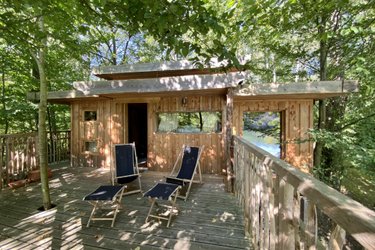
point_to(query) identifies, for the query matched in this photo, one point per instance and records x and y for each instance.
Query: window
(189, 122)
(91, 146)
(89, 132)
(263, 130)
(90, 116)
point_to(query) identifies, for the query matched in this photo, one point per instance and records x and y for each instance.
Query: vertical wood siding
(298, 119)
(163, 148)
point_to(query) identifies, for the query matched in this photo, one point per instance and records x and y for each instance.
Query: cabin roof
(157, 79)
(296, 90)
(108, 89)
(159, 69)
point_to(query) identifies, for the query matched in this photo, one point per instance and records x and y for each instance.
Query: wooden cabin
(137, 103)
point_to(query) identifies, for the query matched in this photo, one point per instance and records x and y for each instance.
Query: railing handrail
(29, 134)
(352, 216)
(17, 135)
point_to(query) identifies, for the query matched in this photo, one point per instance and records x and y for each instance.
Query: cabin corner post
(228, 136)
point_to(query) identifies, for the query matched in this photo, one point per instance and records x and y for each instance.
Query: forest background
(51, 43)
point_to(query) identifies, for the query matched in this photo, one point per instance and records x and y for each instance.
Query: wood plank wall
(298, 119)
(163, 148)
(89, 131)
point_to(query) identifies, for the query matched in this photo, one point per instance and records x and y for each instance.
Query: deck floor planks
(209, 219)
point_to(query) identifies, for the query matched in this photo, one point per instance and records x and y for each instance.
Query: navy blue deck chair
(186, 166)
(126, 167)
(166, 192)
(105, 198)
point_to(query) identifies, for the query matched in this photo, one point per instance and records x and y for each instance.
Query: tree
(36, 27)
(28, 27)
(313, 40)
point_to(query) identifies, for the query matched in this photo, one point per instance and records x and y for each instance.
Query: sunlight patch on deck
(227, 216)
(183, 241)
(150, 226)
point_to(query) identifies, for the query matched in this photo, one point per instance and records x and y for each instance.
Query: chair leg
(118, 205)
(95, 204)
(187, 191)
(174, 206)
(150, 210)
(140, 185)
(200, 173)
(115, 214)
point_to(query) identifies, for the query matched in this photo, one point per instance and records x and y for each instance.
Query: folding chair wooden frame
(188, 163)
(105, 198)
(126, 166)
(163, 191)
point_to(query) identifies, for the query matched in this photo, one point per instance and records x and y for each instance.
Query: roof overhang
(298, 90)
(159, 69)
(87, 90)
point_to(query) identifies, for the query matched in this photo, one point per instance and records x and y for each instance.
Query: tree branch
(356, 121)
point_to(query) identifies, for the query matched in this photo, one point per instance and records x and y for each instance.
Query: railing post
(311, 225)
(8, 157)
(286, 225)
(337, 239)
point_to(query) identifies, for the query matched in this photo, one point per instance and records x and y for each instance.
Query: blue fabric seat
(105, 197)
(103, 193)
(126, 167)
(187, 165)
(163, 191)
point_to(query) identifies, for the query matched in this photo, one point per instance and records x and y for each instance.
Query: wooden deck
(209, 219)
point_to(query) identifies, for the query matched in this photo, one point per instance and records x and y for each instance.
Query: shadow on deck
(209, 219)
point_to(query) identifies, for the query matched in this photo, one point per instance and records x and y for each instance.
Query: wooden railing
(284, 207)
(58, 146)
(19, 153)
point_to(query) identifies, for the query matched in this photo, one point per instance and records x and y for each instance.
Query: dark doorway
(137, 129)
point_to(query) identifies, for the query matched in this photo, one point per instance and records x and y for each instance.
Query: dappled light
(150, 226)
(183, 241)
(70, 236)
(64, 227)
(226, 216)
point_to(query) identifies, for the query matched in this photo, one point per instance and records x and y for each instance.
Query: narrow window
(90, 115)
(91, 146)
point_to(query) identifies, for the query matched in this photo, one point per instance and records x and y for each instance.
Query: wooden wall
(98, 131)
(297, 118)
(163, 148)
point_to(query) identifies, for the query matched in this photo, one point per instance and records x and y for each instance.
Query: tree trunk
(114, 51)
(6, 122)
(322, 103)
(321, 126)
(334, 156)
(42, 129)
(228, 138)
